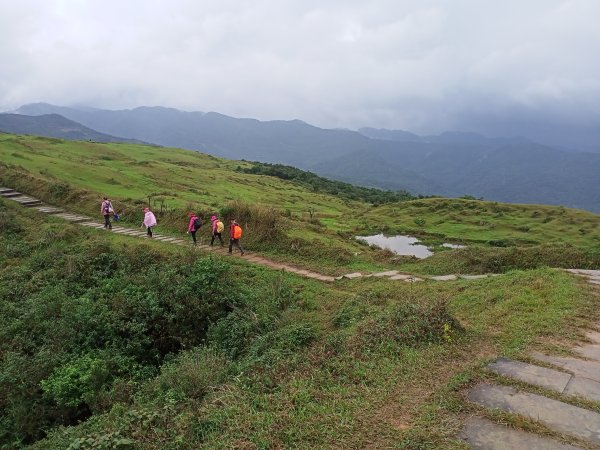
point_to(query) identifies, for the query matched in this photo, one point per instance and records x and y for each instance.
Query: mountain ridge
(451, 164)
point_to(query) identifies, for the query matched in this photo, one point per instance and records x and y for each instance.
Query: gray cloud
(421, 65)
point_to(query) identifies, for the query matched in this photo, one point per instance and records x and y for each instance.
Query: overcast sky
(422, 65)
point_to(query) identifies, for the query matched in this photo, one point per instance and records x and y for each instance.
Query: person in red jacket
(194, 225)
(235, 233)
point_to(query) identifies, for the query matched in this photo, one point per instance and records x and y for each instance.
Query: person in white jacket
(149, 221)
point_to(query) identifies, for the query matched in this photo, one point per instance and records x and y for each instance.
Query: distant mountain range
(451, 164)
(54, 125)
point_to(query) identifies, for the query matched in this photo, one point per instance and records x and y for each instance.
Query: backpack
(197, 223)
(220, 227)
(237, 231)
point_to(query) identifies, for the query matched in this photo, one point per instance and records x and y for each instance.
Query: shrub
(261, 224)
(409, 324)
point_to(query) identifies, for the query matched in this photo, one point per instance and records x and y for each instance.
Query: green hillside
(109, 342)
(120, 344)
(309, 227)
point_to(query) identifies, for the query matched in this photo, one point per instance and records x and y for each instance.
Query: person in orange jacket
(235, 234)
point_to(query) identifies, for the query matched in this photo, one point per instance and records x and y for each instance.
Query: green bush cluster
(319, 184)
(408, 323)
(80, 323)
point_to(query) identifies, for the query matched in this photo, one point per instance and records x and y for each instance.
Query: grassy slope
(360, 381)
(185, 180)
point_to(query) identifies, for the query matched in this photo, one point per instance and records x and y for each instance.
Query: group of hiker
(194, 225)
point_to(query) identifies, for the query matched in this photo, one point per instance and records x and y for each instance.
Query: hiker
(194, 225)
(216, 230)
(149, 221)
(235, 233)
(106, 209)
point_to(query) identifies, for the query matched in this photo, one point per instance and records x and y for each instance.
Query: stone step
(475, 277)
(92, 224)
(350, 276)
(72, 217)
(589, 351)
(48, 209)
(32, 204)
(558, 416)
(482, 434)
(444, 278)
(4, 190)
(529, 373)
(562, 382)
(11, 194)
(580, 367)
(26, 200)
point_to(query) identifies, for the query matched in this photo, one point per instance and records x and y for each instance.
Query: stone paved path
(89, 222)
(571, 377)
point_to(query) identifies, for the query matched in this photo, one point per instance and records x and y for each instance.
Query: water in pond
(401, 245)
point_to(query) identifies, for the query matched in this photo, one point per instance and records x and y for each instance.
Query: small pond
(401, 245)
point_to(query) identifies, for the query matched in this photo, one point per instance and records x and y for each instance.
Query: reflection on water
(401, 245)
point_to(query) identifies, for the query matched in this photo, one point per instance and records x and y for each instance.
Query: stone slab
(584, 387)
(389, 273)
(444, 278)
(589, 272)
(483, 434)
(11, 194)
(352, 275)
(529, 373)
(593, 336)
(401, 276)
(579, 367)
(590, 351)
(473, 277)
(558, 416)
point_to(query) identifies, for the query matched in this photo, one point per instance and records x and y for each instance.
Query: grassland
(294, 364)
(314, 230)
(120, 344)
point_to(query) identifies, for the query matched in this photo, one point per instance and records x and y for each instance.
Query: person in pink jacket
(216, 230)
(149, 221)
(194, 225)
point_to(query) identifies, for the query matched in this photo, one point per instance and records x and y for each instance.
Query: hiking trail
(394, 275)
(572, 377)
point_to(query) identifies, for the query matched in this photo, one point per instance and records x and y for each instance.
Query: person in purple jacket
(106, 210)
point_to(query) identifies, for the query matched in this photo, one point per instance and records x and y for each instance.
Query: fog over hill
(452, 164)
(56, 126)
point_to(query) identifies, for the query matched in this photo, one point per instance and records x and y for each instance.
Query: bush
(409, 324)
(261, 224)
